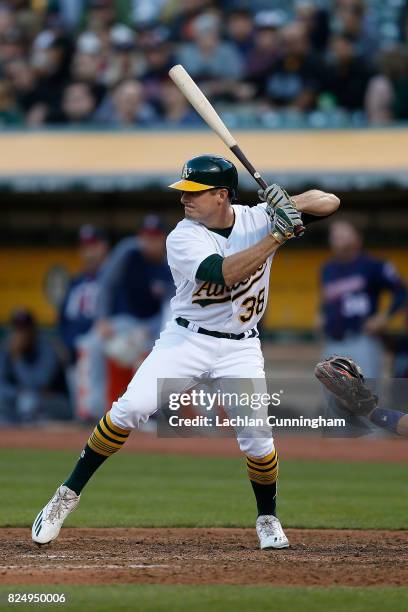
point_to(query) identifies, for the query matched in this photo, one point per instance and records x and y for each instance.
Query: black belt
(251, 333)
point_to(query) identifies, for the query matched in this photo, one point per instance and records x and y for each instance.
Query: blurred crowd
(112, 312)
(106, 62)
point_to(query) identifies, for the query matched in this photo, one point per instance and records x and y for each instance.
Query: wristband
(387, 419)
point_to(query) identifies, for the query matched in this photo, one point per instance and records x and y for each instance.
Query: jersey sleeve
(211, 270)
(391, 281)
(388, 275)
(263, 219)
(187, 249)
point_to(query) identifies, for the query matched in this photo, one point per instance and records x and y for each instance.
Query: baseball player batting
(220, 256)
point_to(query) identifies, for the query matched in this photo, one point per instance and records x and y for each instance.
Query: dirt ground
(205, 556)
(74, 437)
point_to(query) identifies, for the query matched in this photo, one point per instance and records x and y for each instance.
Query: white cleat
(270, 532)
(48, 522)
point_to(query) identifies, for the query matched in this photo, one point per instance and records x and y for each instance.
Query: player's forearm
(391, 420)
(238, 267)
(315, 202)
(402, 427)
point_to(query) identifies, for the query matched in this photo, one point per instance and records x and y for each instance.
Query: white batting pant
(185, 355)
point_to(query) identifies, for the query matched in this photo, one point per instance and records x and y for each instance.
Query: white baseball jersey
(216, 307)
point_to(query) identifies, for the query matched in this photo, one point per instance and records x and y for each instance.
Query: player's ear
(222, 195)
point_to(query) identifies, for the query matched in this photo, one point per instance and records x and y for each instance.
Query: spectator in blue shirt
(208, 57)
(78, 309)
(176, 111)
(135, 290)
(351, 286)
(32, 381)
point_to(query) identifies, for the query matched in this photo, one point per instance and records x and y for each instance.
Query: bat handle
(237, 151)
(256, 175)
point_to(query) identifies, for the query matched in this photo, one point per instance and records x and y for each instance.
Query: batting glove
(286, 223)
(274, 196)
(283, 213)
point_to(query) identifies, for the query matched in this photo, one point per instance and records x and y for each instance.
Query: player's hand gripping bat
(197, 99)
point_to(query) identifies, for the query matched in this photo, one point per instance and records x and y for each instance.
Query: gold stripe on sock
(264, 470)
(111, 432)
(262, 478)
(103, 441)
(115, 428)
(100, 447)
(97, 448)
(107, 437)
(107, 445)
(262, 460)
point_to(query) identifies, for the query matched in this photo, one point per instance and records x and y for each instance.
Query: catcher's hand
(343, 377)
(285, 218)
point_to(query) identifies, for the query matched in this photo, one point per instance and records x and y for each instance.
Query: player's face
(93, 254)
(153, 246)
(344, 239)
(204, 206)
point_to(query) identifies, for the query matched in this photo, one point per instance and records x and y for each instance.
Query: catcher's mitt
(343, 377)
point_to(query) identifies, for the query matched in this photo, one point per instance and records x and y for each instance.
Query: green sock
(88, 463)
(265, 497)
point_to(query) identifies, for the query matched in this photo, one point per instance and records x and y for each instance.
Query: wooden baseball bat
(197, 99)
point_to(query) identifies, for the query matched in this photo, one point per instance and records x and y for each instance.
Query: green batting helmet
(208, 172)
